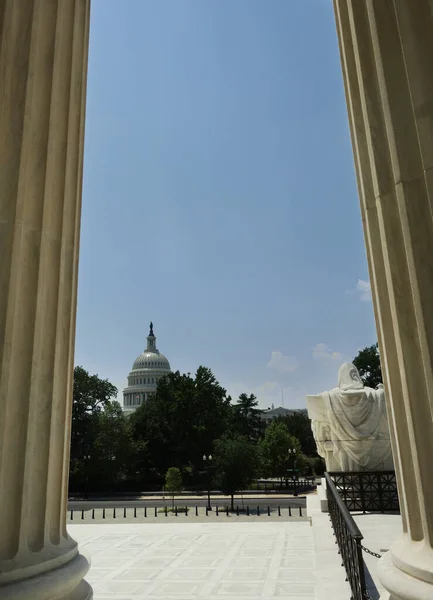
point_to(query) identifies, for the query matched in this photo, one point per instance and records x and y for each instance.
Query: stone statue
(350, 425)
(151, 328)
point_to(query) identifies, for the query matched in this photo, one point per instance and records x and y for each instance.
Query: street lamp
(207, 460)
(86, 458)
(292, 452)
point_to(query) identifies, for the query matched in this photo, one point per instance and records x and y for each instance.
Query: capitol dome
(147, 370)
(149, 360)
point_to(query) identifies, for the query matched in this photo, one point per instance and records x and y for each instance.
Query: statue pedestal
(323, 498)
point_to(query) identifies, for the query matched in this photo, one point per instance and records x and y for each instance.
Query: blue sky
(219, 196)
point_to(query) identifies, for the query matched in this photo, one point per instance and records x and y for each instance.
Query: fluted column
(43, 65)
(386, 51)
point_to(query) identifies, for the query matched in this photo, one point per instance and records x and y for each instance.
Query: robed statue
(350, 425)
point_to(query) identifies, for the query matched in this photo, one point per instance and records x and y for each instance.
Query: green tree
(182, 420)
(274, 446)
(299, 426)
(91, 395)
(237, 463)
(114, 452)
(173, 482)
(247, 418)
(367, 362)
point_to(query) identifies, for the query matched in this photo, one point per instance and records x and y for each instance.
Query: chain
(371, 552)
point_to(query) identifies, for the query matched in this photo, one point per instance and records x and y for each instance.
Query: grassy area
(180, 509)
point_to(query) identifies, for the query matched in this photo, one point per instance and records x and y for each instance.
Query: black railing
(366, 491)
(145, 512)
(289, 485)
(348, 538)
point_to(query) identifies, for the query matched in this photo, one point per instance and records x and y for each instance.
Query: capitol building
(147, 370)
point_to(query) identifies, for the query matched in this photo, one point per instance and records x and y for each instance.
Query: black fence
(348, 538)
(367, 491)
(186, 511)
(294, 486)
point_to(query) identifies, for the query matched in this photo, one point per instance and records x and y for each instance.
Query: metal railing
(291, 485)
(145, 512)
(348, 538)
(367, 491)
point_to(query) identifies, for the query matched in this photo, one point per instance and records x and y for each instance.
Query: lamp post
(86, 457)
(292, 452)
(207, 460)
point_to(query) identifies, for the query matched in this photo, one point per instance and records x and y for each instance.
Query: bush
(308, 464)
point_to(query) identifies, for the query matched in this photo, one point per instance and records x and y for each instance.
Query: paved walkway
(254, 560)
(330, 576)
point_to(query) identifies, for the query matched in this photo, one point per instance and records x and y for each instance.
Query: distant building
(272, 413)
(147, 370)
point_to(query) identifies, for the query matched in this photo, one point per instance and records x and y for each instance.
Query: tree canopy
(101, 446)
(90, 396)
(237, 463)
(277, 446)
(182, 420)
(367, 361)
(188, 416)
(299, 426)
(247, 418)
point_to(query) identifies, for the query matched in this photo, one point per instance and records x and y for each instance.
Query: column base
(82, 592)
(400, 584)
(65, 583)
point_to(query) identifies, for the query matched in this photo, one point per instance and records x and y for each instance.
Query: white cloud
(323, 353)
(281, 363)
(362, 290)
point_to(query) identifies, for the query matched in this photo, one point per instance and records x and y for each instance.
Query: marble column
(386, 51)
(43, 65)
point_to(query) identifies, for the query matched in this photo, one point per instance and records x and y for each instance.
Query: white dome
(148, 369)
(151, 360)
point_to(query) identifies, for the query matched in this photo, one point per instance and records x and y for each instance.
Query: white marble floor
(204, 561)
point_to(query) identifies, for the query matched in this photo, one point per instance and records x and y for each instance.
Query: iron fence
(290, 485)
(368, 491)
(348, 538)
(146, 512)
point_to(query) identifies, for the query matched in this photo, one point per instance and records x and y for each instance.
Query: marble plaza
(199, 560)
(204, 560)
